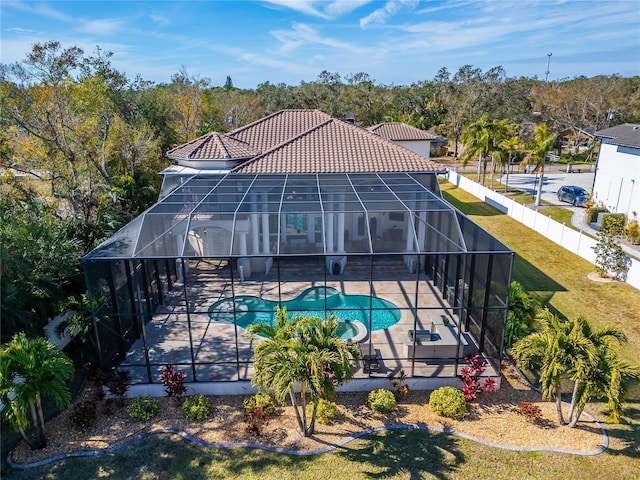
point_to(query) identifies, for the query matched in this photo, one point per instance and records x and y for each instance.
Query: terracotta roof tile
(213, 146)
(334, 146)
(277, 128)
(304, 141)
(401, 131)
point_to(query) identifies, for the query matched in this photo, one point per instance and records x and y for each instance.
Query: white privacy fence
(574, 241)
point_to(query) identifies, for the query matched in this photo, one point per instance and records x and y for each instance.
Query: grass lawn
(556, 276)
(390, 455)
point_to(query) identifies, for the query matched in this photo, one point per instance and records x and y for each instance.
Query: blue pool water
(314, 301)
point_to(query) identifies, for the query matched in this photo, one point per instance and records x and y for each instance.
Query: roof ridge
(288, 141)
(200, 139)
(221, 144)
(269, 117)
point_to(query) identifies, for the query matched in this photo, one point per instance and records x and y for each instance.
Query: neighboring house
(415, 139)
(302, 210)
(617, 180)
(573, 139)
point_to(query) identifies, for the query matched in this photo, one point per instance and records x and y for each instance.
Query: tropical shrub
(470, 376)
(399, 382)
(30, 371)
(143, 408)
(326, 411)
(632, 231)
(381, 401)
(173, 381)
(196, 407)
(256, 419)
(448, 402)
(118, 384)
(530, 411)
(521, 317)
(613, 223)
(592, 213)
(84, 414)
(260, 400)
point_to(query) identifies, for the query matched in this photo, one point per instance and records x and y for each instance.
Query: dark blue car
(574, 195)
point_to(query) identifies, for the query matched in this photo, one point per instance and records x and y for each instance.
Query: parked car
(571, 194)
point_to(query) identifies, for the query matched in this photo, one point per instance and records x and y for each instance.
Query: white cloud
(100, 27)
(159, 20)
(390, 9)
(302, 34)
(303, 6)
(339, 8)
(22, 31)
(328, 10)
(48, 12)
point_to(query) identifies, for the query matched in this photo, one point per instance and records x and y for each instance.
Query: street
(528, 182)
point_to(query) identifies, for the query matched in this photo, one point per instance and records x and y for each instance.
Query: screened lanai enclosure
(410, 278)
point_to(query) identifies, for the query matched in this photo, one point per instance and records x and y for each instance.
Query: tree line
(81, 144)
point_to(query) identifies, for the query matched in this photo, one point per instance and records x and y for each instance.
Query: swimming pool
(373, 312)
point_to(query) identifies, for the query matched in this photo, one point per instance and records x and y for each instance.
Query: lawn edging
(398, 426)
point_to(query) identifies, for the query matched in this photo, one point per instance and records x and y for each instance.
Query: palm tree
(572, 350)
(606, 377)
(305, 354)
(323, 336)
(523, 308)
(539, 147)
(481, 139)
(509, 149)
(31, 370)
(558, 351)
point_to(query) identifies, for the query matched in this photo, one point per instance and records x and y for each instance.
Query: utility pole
(546, 74)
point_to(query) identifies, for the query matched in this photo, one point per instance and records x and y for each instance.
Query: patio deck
(214, 343)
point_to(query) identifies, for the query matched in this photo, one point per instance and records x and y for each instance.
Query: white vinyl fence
(576, 242)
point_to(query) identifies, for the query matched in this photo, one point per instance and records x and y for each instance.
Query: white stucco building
(411, 138)
(617, 180)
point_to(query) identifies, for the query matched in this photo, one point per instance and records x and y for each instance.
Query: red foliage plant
(173, 381)
(530, 411)
(470, 377)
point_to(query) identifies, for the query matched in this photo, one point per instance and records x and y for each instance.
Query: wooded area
(81, 144)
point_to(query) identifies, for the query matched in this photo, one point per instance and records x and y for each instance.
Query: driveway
(528, 182)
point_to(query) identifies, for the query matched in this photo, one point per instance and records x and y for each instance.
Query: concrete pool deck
(214, 343)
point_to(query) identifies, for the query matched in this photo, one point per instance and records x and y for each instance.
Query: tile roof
(277, 128)
(335, 146)
(304, 141)
(626, 135)
(213, 146)
(401, 131)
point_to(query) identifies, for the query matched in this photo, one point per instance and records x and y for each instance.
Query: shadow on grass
(533, 279)
(388, 454)
(406, 452)
(627, 433)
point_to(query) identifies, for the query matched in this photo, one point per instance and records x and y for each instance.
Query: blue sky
(394, 41)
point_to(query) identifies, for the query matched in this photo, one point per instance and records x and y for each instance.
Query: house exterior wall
(421, 147)
(617, 180)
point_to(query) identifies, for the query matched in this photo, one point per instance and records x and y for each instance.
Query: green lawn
(387, 455)
(556, 276)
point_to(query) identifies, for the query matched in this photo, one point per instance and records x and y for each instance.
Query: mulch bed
(493, 417)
